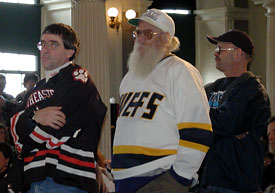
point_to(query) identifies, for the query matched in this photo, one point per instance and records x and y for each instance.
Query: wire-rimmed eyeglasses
(220, 49)
(148, 34)
(50, 44)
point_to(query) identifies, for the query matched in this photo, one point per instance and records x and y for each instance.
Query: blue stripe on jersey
(180, 179)
(124, 161)
(196, 135)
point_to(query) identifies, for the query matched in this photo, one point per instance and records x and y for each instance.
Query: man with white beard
(163, 129)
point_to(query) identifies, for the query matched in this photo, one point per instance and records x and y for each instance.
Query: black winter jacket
(235, 163)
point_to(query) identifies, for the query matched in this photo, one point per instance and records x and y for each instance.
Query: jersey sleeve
(193, 123)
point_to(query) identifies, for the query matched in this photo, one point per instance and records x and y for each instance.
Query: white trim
(77, 151)
(36, 164)
(76, 171)
(145, 169)
(50, 138)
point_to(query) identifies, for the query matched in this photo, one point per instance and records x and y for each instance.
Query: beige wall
(208, 23)
(115, 51)
(116, 41)
(258, 34)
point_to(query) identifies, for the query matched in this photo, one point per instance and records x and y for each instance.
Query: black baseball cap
(239, 38)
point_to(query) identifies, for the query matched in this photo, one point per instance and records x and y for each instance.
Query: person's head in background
(2, 108)
(2, 83)
(5, 156)
(154, 39)
(58, 45)
(271, 134)
(30, 80)
(233, 52)
(2, 104)
(4, 136)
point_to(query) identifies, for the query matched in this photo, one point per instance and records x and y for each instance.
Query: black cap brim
(212, 40)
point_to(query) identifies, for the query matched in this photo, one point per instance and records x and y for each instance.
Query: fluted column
(270, 47)
(270, 52)
(89, 20)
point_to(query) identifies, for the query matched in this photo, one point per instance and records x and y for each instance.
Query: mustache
(143, 59)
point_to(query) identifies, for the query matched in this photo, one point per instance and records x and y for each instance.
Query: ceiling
(173, 4)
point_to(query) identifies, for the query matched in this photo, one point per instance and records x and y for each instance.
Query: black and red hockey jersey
(67, 155)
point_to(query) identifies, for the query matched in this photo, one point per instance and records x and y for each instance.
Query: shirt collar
(49, 74)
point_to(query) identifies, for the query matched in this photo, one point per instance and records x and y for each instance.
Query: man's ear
(239, 54)
(69, 53)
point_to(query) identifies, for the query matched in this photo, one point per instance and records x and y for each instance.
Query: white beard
(142, 64)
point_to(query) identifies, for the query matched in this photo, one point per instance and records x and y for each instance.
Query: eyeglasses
(50, 44)
(219, 49)
(148, 34)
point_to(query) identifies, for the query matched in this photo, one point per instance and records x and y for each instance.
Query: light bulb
(112, 12)
(130, 13)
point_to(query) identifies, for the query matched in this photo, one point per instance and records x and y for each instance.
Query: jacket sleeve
(193, 123)
(80, 103)
(243, 102)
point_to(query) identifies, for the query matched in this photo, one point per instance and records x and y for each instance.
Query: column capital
(270, 7)
(57, 4)
(261, 2)
(221, 12)
(268, 4)
(45, 2)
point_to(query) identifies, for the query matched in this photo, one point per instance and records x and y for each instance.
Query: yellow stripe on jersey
(131, 149)
(116, 169)
(204, 126)
(192, 145)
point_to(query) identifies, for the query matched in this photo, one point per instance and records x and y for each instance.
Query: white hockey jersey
(163, 122)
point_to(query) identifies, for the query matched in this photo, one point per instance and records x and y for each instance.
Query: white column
(270, 52)
(270, 49)
(89, 20)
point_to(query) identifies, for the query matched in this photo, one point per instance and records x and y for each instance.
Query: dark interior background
(185, 25)
(20, 26)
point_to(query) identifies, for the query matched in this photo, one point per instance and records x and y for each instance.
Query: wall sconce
(113, 22)
(113, 14)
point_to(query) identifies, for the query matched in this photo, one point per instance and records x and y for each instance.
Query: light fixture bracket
(114, 23)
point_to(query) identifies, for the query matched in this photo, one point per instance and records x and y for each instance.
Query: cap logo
(152, 14)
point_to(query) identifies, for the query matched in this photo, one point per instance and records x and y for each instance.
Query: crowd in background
(206, 139)
(11, 166)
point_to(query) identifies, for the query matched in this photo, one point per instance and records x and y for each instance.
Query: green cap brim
(133, 22)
